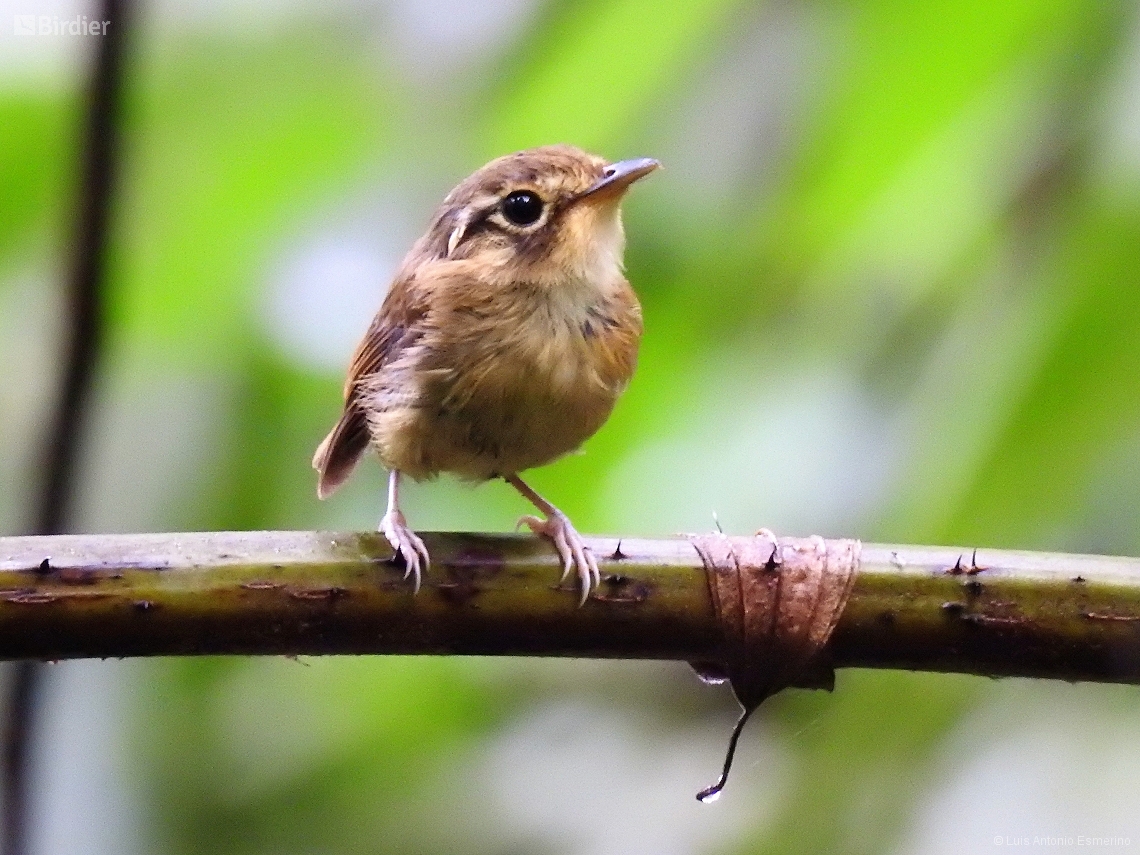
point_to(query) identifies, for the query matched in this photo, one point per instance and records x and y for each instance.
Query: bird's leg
(405, 541)
(569, 544)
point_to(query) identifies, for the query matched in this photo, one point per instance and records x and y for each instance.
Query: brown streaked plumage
(505, 339)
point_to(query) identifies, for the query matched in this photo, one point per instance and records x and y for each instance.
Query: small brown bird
(503, 343)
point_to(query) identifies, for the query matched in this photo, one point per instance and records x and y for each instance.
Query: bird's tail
(340, 451)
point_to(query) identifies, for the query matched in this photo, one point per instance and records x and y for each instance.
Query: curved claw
(542, 527)
(407, 545)
(570, 547)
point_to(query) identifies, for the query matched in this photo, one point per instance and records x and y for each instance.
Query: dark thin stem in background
(82, 346)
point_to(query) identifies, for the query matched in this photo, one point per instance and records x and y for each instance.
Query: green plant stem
(1069, 617)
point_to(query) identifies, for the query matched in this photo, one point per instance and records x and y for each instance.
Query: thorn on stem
(775, 557)
(974, 567)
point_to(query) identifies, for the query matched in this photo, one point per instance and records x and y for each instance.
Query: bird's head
(544, 215)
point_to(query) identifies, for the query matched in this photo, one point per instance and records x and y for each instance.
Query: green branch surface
(996, 613)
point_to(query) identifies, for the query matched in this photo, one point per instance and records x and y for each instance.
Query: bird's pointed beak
(618, 176)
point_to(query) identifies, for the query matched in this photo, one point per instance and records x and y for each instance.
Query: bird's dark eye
(522, 207)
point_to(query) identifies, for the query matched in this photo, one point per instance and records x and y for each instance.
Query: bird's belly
(525, 416)
(481, 402)
(485, 418)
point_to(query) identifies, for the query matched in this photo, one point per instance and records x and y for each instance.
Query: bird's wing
(390, 331)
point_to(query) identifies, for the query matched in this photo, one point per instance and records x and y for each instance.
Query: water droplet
(708, 796)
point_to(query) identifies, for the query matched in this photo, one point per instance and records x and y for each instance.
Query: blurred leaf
(37, 145)
(907, 73)
(303, 754)
(1083, 399)
(587, 76)
(863, 758)
(230, 142)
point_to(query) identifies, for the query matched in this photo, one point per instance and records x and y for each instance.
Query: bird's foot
(571, 549)
(407, 545)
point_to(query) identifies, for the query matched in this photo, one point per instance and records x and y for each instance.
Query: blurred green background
(891, 281)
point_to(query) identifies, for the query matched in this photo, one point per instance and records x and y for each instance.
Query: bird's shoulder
(421, 291)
